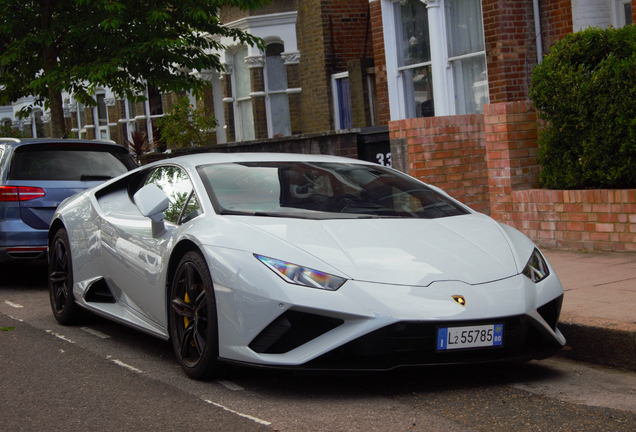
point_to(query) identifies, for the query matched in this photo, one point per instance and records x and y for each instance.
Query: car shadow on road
(29, 276)
(403, 381)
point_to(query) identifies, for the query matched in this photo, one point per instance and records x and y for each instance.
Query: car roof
(17, 142)
(195, 160)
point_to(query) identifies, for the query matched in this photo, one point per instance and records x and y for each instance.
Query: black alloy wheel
(193, 319)
(65, 310)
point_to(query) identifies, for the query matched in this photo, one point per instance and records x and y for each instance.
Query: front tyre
(65, 310)
(193, 321)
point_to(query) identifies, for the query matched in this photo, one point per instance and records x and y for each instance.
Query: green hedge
(585, 91)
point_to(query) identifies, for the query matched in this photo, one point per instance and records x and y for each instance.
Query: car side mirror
(152, 202)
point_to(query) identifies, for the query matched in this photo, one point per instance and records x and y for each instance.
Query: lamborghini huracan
(302, 262)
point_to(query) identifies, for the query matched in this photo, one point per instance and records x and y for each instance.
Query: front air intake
(550, 311)
(291, 330)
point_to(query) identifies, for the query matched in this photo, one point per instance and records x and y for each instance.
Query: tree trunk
(58, 126)
(49, 54)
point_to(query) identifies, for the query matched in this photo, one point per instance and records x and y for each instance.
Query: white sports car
(301, 262)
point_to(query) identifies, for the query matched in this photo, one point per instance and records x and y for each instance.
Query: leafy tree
(185, 126)
(50, 46)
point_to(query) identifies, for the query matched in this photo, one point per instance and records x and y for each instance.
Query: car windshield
(321, 190)
(50, 163)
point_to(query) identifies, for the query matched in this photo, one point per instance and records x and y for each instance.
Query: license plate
(449, 338)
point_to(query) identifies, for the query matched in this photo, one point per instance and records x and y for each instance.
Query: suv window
(46, 163)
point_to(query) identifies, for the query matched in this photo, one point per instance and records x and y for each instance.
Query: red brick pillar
(379, 53)
(511, 152)
(510, 46)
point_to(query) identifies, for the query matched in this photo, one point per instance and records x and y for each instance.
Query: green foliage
(11, 132)
(186, 126)
(51, 46)
(585, 91)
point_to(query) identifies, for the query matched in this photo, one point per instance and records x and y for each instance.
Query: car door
(142, 258)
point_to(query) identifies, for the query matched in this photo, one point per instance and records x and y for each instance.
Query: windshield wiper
(89, 177)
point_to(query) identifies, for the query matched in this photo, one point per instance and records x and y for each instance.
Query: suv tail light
(20, 193)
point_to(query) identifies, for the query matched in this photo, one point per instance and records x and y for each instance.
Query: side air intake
(99, 292)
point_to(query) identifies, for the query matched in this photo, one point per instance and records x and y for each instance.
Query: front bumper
(264, 321)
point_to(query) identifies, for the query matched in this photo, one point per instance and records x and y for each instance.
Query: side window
(192, 209)
(176, 184)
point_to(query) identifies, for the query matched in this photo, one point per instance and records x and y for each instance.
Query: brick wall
(337, 144)
(556, 21)
(330, 34)
(511, 143)
(295, 112)
(577, 219)
(489, 162)
(316, 114)
(448, 152)
(258, 102)
(510, 48)
(379, 59)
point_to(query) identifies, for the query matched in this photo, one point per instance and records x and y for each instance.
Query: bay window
(466, 54)
(439, 63)
(414, 57)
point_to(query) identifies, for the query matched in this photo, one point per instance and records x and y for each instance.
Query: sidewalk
(599, 309)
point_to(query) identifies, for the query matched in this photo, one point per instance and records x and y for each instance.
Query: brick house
(332, 65)
(479, 143)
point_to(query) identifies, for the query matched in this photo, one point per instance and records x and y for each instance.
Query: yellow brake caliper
(186, 321)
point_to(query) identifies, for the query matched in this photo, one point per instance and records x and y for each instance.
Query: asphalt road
(104, 376)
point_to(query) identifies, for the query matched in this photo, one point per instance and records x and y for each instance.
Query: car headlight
(536, 270)
(297, 275)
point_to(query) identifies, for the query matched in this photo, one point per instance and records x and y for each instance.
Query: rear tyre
(65, 310)
(193, 318)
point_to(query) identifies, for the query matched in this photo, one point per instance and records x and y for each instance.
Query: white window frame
(132, 120)
(101, 131)
(441, 63)
(268, 93)
(618, 12)
(238, 118)
(272, 27)
(80, 114)
(336, 102)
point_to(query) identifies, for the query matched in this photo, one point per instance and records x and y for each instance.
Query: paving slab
(599, 308)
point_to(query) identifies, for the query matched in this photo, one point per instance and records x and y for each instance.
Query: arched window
(278, 120)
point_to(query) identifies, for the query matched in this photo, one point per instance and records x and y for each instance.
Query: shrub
(138, 143)
(585, 92)
(186, 126)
